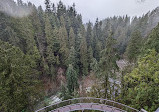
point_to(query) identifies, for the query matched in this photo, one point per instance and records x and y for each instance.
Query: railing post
(105, 102)
(113, 104)
(58, 105)
(69, 102)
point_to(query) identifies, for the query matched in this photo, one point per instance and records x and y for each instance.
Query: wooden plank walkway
(88, 106)
(87, 103)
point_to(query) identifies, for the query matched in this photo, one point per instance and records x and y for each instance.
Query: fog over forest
(91, 9)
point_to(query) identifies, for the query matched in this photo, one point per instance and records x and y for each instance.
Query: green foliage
(89, 34)
(72, 82)
(143, 83)
(64, 50)
(83, 56)
(48, 7)
(94, 66)
(18, 80)
(96, 41)
(134, 46)
(61, 9)
(57, 37)
(108, 64)
(72, 57)
(64, 93)
(71, 38)
(152, 41)
(90, 58)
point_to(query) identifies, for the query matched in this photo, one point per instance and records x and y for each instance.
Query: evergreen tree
(27, 42)
(108, 65)
(56, 41)
(51, 60)
(47, 5)
(134, 46)
(62, 21)
(152, 41)
(7, 33)
(89, 34)
(97, 49)
(71, 38)
(142, 83)
(83, 56)
(35, 20)
(53, 8)
(48, 30)
(18, 80)
(72, 57)
(72, 11)
(72, 81)
(96, 44)
(64, 51)
(20, 2)
(64, 93)
(61, 9)
(97, 30)
(77, 49)
(68, 24)
(90, 57)
(94, 66)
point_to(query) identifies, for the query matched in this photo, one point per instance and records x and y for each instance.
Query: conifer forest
(49, 51)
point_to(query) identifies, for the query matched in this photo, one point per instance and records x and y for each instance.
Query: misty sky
(91, 9)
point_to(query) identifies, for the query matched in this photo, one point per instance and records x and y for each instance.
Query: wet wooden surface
(87, 106)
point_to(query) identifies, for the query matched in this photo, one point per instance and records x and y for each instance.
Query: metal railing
(88, 100)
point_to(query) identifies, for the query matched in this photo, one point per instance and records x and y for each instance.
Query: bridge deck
(87, 106)
(87, 103)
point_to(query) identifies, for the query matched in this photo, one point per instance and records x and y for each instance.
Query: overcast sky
(91, 9)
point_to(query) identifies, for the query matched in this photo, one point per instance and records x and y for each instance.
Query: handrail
(88, 98)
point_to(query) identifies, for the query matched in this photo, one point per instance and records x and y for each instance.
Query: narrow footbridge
(87, 103)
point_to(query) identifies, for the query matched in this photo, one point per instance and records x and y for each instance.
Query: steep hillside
(122, 27)
(51, 50)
